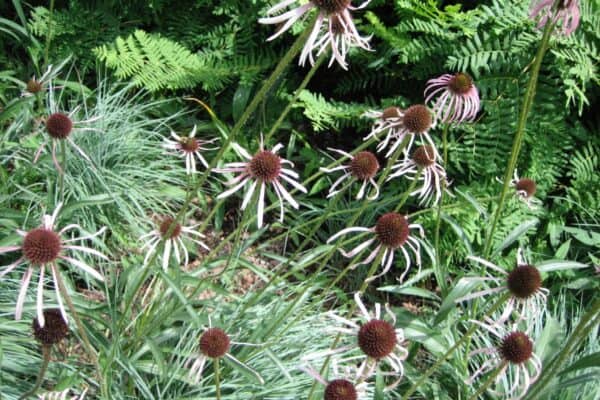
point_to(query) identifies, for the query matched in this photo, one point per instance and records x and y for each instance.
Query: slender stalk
(489, 381)
(217, 378)
(40, 378)
(299, 90)
(518, 140)
(440, 271)
(49, 34)
(61, 175)
(463, 338)
(587, 322)
(81, 330)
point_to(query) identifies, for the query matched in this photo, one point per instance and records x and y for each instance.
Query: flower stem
(49, 33)
(299, 90)
(448, 353)
(61, 175)
(518, 140)
(585, 326)
(81, 330)
(489, 381)
(40, 378)
(217, 378)
(439, 270)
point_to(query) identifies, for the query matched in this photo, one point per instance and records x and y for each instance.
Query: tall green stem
(217, 378)
(63, 165)
(518, 140)
(40, 378)
(463, 338)
(440, 271)
(489, 381)
(49, 34)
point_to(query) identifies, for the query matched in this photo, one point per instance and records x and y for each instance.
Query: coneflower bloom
(214, 343)
(524, 283)
(44, 247)
(525, 189)
(423, 163)
(458, 99)
(53, 331)
(262, 169)
(568, 12)
(415, 120)
(346, 385)
(36, 85)
(190, 148)
(173, 239)
(391, 232)
(362, 167)
(59, 126)
(512, 352)
(333, 28)
(378, 340)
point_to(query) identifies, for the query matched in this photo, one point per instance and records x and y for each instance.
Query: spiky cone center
(524, 281)
(59, 125)
(54, 330)
(377, 338)
(460, 83)
(392, 230)
(189, 144)
(34, 86)
(41, 246)
(340, 389)
(214, 343)
(516, 347)
(424, 156)
(332, 6)
(526, 185)
(164, 228)
(265, 166)
(364, 165)
(391, 112)
(417, 119)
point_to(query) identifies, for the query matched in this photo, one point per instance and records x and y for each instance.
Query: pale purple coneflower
(568, 12)
(190, 148)
(347, 384)
(524, 283)
(262, 169)
(59, 126)
(36, 85)
(363, 167)
(458, 99)
(43, 247)
(214, 343)
(512, 352)
(378, 340)
(173, 239)
(333, 28)
(424, 165)
(391, 232)
(525, 189)
(416, 120)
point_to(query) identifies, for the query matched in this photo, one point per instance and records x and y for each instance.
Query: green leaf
(240, 100)
(411, 291)
(559, 265)
(243, 369)
(516, 234)
(590, 361)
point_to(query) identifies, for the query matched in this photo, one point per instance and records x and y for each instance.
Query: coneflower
(190, 148)
(345, 385)
(457, 97)
(362, 167)
(567, 12)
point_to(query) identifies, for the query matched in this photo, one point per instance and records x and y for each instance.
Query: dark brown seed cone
(516, 347)
(524, 281)
(332, 6)
(364, 165)
(417, 119)
(461, 83)
(377, 338)
(189, 144)
(265, 166)
(526, 185)
(392, 229)
(34, 86)
(54, 330)
(391, 112)
(340, 389)
(164, 228)
(214, 343)
(59, 125)
(424, 156)
(41, 246)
